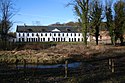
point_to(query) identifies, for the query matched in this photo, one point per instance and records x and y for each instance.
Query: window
(63, 34)
(64, 39)
(67, 34)
(82, 39)
(79, 34)
(58, 39)
(48, 39)
(75, 34)
(19, 40)
(27, 34)
(59, 34)
(78, 39)
(19, 34)
(75, 39)
(45, 34)
(69, 40)
(61, 39)
(41, 34)
(68, 30)
(50, 34)
(54, 34)
(32, 34)
(53, 39)
(32, 40)
(43, 39)
(71, 34)
(23, 34)
(37, 34)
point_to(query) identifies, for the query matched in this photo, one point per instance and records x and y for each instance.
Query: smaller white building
(48, 34)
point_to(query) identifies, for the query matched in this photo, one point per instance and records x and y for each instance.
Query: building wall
(49, 36)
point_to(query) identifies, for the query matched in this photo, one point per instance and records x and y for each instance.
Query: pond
(70, 65)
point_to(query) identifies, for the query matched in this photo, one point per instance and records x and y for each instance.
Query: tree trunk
(97, 34)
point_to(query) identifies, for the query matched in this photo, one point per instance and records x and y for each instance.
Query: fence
(89, 70)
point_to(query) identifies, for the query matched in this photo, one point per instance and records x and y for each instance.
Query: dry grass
(61, 52)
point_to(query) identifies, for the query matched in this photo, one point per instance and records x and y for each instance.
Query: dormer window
(68, 30)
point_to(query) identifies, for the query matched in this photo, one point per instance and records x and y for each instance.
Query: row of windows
(50, 34)
(43, 39)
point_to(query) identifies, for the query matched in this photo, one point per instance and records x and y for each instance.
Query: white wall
(49, 36)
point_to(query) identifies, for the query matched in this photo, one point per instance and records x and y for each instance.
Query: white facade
(54, 36)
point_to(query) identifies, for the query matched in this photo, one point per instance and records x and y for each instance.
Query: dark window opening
(63, 34)
(37, 34)
(48, 39)
(82, 39)
(71, 34)
(75, 39)
(54, 34)
(45, 34)
(59, 34)
(43, 39)
(23, 34)
(27, 34)
(41, 34)
(69, 40)
(59, 39)
(79, 34)
(68, 30)
(19, 40)
(32, 40)
(53, 39)
(64, 39)
(75, 34)
(78, 39)
(32, 34)
(19, 34)
(67, 34)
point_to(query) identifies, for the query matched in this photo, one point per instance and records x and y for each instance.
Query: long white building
(48, 34)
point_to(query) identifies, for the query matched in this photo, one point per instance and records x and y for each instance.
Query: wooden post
(24, 66)
(66, 68)
(110, 63)
(113, 66)
(37, 62)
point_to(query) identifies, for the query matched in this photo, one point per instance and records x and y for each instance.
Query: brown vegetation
(60, 52)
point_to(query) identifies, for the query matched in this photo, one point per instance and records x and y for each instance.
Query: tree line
(91, 14)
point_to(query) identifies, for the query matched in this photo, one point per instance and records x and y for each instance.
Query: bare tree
(6, 13)
(81, 8)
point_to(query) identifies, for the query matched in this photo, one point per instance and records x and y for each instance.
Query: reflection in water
(70, 65)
